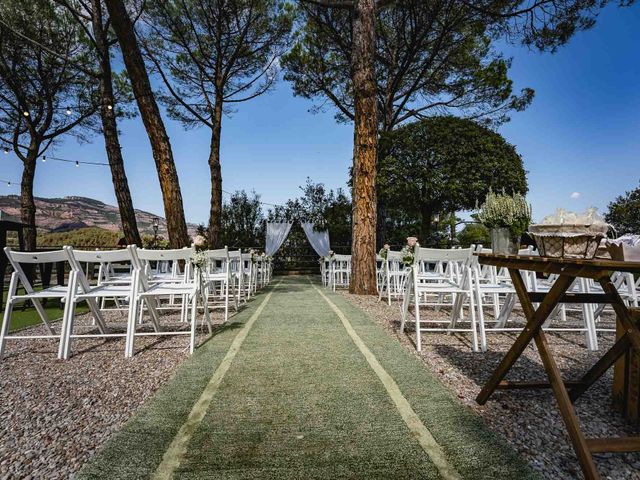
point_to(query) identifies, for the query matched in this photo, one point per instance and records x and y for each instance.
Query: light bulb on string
(77, 163)
(68, 112)
(8, 184)
(109, 107)
(44, 158)
(6, 151)
(25, 113)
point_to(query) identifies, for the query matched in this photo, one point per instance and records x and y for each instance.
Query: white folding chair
(116, 291)
(325, 270)
(219, 280)
(340, 271)
(420, 286)
(248, 271)
(58, 292)
(391, 276)
(191, 290)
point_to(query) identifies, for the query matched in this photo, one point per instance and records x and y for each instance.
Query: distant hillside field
(80, 214)
(82, 237)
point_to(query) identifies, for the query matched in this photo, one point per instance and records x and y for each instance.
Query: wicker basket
(568, 241)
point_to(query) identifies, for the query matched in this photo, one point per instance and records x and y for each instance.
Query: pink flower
(411, 241)
(199, 241)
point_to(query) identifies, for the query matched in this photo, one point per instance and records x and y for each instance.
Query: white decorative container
(568, 240)
(501, 241)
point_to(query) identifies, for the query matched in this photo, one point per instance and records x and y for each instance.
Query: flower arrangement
(408, 251)
(384, 251)
(199, 259)
(199, 242)
(500, 210)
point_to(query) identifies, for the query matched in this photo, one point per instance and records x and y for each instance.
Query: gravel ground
(528, 420)
(55, 414)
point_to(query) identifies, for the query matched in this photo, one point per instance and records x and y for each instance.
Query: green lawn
(27, 317)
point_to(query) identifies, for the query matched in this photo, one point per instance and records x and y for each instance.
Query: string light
(26, 114)
(67, 160)
(109, 107)
(261, 202)
(6, 151)
(8, 182)
(68, 112)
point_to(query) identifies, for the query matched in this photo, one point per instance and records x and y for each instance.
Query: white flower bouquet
(500, 210)
(409, 251)
(199, 259)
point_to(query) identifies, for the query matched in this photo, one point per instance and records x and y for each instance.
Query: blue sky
(580, 136)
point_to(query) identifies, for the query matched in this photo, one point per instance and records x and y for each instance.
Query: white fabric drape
(318, 240)
(276, 235)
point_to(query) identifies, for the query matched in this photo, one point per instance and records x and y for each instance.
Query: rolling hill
(57, 215)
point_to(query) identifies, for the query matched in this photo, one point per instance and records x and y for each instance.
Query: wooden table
(566, 393)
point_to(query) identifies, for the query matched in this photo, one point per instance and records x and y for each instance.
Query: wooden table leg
(535, 320)
(566, 409)
(624, 315)
(601, 366)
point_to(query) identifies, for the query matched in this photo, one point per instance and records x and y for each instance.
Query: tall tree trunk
(426, 213)
(160, 145)
(215, 212)
(110, 132)
(27, 202)
(363, 277)
(381, 208)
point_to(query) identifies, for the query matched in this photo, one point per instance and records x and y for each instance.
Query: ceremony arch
(277, 233)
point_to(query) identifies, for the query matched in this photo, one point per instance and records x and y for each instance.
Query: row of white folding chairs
(454, 278)
(466, 283)
(589, 315)
(483, 287)
(142, 292)
(233, 278)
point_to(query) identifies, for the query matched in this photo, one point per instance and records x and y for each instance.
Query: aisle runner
(303, 385)
(422, 433)
(176, 451)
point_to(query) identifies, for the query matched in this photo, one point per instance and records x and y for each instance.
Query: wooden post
(626, 379)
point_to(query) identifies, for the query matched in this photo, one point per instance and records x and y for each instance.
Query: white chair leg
(480, 325)
(194, 307)
(226, 301)
(418, 333)
(5, 325)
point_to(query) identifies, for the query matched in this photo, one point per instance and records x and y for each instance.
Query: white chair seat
(169, 289)
(58, 291)
(107, 291)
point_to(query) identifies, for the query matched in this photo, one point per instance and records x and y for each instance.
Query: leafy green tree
(43, 72)
(243, 221)
(474, 233)
(445, 164)
(114, 100)
(431, 58)
(545, 24)
(624, 212)
(212, 56)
